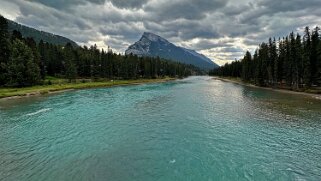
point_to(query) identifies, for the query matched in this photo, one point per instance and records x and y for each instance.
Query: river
(192, 129)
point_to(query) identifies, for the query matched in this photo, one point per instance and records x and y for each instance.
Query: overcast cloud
(220, 29)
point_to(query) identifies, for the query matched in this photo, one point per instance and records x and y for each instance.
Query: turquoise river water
(192, 129)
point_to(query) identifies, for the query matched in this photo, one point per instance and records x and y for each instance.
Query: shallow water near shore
(192, 129)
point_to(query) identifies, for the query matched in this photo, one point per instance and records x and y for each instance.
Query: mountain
(39, 35)
(154, 45)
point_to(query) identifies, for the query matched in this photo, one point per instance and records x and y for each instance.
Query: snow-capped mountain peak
(153, 45)
(153, 37)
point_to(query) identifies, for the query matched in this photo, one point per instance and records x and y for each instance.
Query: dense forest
(23, 62)
(292, 61)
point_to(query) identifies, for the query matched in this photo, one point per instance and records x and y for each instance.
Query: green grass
(62, 84)
(314, 91)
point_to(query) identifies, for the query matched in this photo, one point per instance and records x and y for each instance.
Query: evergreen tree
(319, 64)
(41, 49)
(270, 61)
(16, 35)
(33, 75)
(298, 73)
(315, 39)
(246, 66)
(306, 57)
(25, 63)
(273, 54)
(70, 67)
(292, 61)
(21, 69)
(4, 49)
(282, 61)
(259, 80)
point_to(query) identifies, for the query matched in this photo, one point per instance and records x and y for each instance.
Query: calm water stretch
(192, 129)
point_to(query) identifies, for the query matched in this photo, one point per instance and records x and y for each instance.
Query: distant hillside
(39, 35)
(154, 45)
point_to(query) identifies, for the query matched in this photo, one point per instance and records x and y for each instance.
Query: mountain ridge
(38, 35)
(154, 45)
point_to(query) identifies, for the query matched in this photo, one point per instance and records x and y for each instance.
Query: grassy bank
(58, 85)
(316, 92)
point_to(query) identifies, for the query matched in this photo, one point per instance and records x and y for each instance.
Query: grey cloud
(251, 42)
(183, 29)
(66, 4)
(206, 44)
(199, 33)
(232, 49)
(62, 4)
(182, 9)
(116, 43)
(45, 17)
(54, 21)
(293, 5)
(129, 3)
(217, 46)
(242, 24)
(233, 10)
(128, 31)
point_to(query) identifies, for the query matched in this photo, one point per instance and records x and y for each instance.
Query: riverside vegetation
(57, 84)
(289, 63)
(26, 63)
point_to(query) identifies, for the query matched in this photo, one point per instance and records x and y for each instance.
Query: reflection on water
(287, 104)
(191, 129)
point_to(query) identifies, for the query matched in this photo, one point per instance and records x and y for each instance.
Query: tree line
(24, 62)
(292, 61)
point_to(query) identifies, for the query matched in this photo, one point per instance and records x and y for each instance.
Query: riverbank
(14, 93)
(240, 82)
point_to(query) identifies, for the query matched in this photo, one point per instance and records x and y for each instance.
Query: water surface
(192, 129)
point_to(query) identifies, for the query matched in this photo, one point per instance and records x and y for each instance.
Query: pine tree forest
(292, 62)
(23, 62)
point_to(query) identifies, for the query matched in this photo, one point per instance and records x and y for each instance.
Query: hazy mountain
(39, 35)
(154, 45)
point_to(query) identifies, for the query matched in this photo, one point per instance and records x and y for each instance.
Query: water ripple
(192, 129)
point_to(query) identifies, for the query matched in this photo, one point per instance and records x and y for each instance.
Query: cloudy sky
(220, 29)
